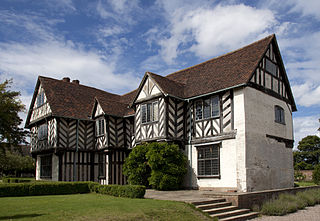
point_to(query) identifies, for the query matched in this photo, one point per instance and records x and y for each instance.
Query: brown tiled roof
(112, 107)
(232, 69)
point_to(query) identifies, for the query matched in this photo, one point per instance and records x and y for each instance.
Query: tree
(308, 152)
(10, 106)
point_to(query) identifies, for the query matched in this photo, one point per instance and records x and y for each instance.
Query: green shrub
(307, 197)
(17, 180)
(298, 176)
(136, 166)
(44, 188)
(130, 191)
(316, 175)
(168, 166)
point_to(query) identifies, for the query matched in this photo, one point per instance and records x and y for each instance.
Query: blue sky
(110, 44)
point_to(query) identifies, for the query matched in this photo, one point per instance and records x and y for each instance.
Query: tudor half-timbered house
(231, 116)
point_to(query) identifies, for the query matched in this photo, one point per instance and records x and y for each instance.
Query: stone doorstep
(209, 201)
(220, 209)
(246, 216)
(214, 205)
(230, 213)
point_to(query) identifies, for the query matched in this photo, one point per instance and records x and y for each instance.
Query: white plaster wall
(55, 168)
(240, 143)
(269, 163)
(38, 168)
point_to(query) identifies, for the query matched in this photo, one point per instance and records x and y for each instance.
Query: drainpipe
(189, 142)
(75, 178)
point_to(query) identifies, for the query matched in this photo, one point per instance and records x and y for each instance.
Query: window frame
(149, 118)
(102, 166)
(279, 115)
(40, 99)
(43, 133)
(46, 166)
(100, 127)
(200, 113)
(210, 159)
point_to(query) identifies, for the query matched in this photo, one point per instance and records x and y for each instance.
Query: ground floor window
(209, 160)
(102, 166)
(46, 166)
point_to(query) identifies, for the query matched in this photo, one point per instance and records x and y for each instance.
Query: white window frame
(100, 127)
(200, 108)
(204, 161)
(147, 112)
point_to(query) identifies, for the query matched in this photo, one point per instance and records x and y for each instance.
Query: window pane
(271, 67)
(199, 110)
(149, 112)
(215, 166)
(43, 131)
(208, 160)
(279, 114)
(155, 115)
(143, 113)
(201, 168)
(215, 106)
(206, 109)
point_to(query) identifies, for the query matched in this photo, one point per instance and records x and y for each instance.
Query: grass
(289, 203)
(305, 183)
(94, 207)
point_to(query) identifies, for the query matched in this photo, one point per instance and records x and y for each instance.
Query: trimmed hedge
(60, 188)
(17, 180)
(45, 188)
(130, 191)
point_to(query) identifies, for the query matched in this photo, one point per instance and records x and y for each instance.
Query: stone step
(210, 201)
(230, 213)
(220, 209)
(213, 205)
(241, 217)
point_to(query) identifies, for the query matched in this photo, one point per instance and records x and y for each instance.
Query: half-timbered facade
(231, 116)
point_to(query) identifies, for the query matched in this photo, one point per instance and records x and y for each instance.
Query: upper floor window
(43, 132)
(40, 99)
(208, 108)
(279, 114)
(100, 127)
(149, 112)
(271, 67)
(209, 160)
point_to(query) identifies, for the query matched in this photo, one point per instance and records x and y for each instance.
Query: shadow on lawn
(20, 216)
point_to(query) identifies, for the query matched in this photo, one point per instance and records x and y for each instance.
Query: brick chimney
(66, 79)
(75, 81)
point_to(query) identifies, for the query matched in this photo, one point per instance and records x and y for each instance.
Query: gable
(270, 75)
(98, 110)
(40, 106)
(148, 89)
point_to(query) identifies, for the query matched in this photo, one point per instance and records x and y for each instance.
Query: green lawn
(94, 207)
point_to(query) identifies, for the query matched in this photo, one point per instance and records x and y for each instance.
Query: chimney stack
(75, 81)
(66, 79)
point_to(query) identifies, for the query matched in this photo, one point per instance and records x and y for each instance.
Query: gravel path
(308, 214)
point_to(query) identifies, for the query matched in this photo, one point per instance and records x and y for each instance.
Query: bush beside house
(159, 165)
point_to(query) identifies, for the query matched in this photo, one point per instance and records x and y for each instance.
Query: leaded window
(279, 114)
(102, 166)
(209, 160)
(43, 132)
(40, 99)
(46, 166)
(208, 108)
(100, 127)
(271, 67)
(149, 112)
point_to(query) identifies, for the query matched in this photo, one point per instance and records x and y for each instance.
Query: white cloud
(307, 94)
(304, 126)
(306, 7)
(208, 31)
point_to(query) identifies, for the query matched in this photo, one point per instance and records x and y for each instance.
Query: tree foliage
(136, 166)
(308, 154)
(316, 175)
(10, 106)
(160, 165)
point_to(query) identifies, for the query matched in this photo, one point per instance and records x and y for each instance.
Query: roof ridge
(82, 85)
(215, 58)
(176, 82)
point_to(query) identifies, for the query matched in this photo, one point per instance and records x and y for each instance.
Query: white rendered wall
(269, 163)
(232, 156)
(38, 168)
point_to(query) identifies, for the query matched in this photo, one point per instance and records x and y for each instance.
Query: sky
(110, 44)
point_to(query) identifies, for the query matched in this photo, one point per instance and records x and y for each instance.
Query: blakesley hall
(231, 116)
